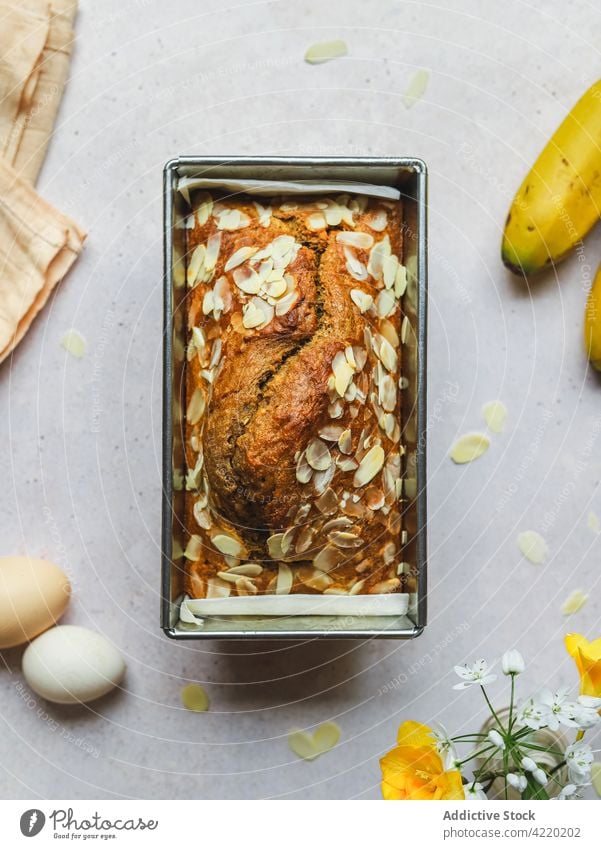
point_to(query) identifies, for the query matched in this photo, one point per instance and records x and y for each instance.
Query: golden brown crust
(284, 363)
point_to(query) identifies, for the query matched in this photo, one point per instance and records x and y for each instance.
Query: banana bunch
(558, 203)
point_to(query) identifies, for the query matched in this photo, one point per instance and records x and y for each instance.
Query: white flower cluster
(547, 710)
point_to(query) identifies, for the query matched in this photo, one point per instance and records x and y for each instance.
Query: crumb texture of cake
(293, 428)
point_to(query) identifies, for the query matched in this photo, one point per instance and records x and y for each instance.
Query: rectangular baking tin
(410, 176)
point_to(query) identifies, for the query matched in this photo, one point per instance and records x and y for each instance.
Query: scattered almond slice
(74, 343)
(309, 746)
(495, 414)
(302, 745)
(416, 88)
(574, 602)
(326, 737)
(469, 447)
(324, 51)
(195, 698)
(593, 523)
(533, 547)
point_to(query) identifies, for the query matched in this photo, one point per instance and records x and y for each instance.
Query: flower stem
(492, 710)
(510, 722)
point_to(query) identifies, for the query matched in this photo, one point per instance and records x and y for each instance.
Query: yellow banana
(560, 199)
(592, 323)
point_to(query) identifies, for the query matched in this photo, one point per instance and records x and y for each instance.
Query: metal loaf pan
(410, 176)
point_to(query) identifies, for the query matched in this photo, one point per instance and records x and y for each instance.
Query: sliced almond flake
(318, 455)
(333, 215)
(304, 472)
(400, 281)
(385, 303)
(335, 591)
(362, 241)
(247, 280)
(275, 288)
(356, 588)
(533, 547)
(316, 221)
(593, 523)
(328, 558)
(194, 698)
(215, 353)
(217, 588)
(264, 213)
(344, 539)
(257, 313)
(345, 442)
(322, 480)
(416, 87)
(227, 545)
(287, 539)
(337, 524)
(240, 256)
(377, 255)
(354, 266)
(331, 433)
(193, 475)
(304, 540)
(574, 602)
(343, 373)
(388, 355)
(196, 407)
(369, 466)
(377, 221)
(495, 414)
(212, 253)
(208, 302)
(228, 577)
(346, 464)
(314, 578)
(362, 300)
(274, 546)
(388, 586)
(232, 219)
(403, 382)
(286, 303)
(288, 206)
(205, 207)
(327, 503)
(202, 516)
(193, 548)
(195, 264)
(387, 393)
(223, 294)
(303, 745)
(249, 570)
(244, 586)
(324, 51)
(335, 410)
(469, 447)
(390, 266)
(405, 330)
(284, 579)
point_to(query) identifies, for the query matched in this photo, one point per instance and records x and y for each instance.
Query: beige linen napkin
(38, 244)
(35, 46)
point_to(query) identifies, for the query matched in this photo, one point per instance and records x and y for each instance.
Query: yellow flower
(414, 769)
(588, 660)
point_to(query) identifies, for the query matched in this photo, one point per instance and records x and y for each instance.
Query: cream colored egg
(70, 664)
(33, 596)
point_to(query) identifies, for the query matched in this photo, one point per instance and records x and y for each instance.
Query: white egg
(70, 664)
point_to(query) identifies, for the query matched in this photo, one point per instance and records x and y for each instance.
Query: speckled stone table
(81, 438)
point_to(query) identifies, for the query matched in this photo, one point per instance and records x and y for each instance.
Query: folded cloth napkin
(35, 46)
(38, 244)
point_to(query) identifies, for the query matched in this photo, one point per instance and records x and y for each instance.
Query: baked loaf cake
(293, 436)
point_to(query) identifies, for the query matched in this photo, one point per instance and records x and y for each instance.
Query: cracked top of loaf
(293, 426)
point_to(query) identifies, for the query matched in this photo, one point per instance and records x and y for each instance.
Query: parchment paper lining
(270, 188)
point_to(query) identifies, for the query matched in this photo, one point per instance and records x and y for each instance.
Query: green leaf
(534, 790)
